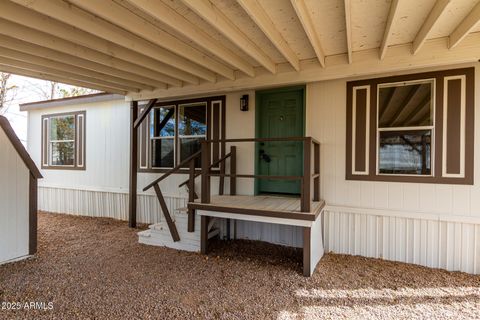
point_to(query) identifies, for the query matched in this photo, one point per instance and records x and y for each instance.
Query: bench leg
(307, 241)
(204, 234)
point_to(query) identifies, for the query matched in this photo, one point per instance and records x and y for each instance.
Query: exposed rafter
(62, 73)
(304, 17)
(37, 21)
(42, 39)
(388, 28)
(51, 77)
(413, 92)
(19, 59)
(263, 21)
(464, 28)
(121, 16)
(174, 65)
(348, 29)
(180, 24)
(42, 52)
(216, 18)
(429, 23)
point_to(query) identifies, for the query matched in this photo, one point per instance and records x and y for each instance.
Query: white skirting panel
(291, 236)
(437, 243)
(105, 204)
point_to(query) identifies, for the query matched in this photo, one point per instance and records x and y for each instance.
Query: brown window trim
(212, 129)
(45, 143)
(437, 175)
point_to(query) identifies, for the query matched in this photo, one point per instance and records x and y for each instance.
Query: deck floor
(261, 204)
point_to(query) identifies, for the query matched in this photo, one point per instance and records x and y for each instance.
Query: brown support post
(132, 195)
(204, 234)
(206, 159)
(316, 180)
(307, 175)
(191, 196)
(32, 220)
(233, 170)
(306, 251)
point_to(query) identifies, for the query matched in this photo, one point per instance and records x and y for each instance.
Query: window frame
(454, 94)
(79, 141)
(432, 82)
(216, 119)
(174, 137)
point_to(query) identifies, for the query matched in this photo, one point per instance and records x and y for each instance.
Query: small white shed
(18, 197)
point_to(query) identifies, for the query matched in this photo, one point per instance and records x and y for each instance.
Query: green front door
(280, 113)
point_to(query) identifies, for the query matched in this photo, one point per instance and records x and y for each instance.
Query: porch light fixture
(244, 103)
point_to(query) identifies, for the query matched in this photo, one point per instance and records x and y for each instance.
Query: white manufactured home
(18, 197)
(343, 126)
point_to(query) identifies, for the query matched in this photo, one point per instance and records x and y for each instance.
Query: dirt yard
(91, 268)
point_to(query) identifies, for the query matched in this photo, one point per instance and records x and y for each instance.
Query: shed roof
(17, 144)
(167, 48)
(89, 98)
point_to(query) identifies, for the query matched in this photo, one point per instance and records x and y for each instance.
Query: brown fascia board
(17, 144)
(89, 98)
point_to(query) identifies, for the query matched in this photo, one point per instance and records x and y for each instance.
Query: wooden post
(316, 181)
(132, 195)
(206, 159)
(191, 196)
(233, 170)
(204, 234)
(307, 175)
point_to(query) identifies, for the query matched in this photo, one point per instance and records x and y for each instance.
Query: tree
(7, 92)
(75, 91)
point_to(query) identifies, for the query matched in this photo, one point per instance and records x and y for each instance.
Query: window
(405, 128)
(412, 128)
(63, 138)
(175, 130)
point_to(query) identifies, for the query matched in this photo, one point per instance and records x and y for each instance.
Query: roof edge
(18, 146)
(89, 98)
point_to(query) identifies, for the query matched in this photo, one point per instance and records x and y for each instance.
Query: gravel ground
(92, 268)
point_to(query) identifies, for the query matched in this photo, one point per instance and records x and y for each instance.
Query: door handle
(265, 157)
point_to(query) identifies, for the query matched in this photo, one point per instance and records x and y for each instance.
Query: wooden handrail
(212, 166)
(175, 169)
(255, 176)
(260, 140)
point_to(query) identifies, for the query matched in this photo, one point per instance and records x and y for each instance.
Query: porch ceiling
(147, 48)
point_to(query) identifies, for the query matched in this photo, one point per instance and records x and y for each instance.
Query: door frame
(258, 94)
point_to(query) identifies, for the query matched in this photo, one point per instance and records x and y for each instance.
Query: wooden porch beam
(29, 18)
(122, 17)
(56, 78)
(306, 21)
(215, 17)
(171, 65)
(110, 74)
(144, 113)
(99, 77)
(348, 29)
(132, 188)
(43, 39)
(263, 21)
(435, 54)
(464, 28)
(429, 23)
(58, 71)
(388, 28)
(172, 18)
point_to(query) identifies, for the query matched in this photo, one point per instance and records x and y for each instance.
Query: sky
(27, 90)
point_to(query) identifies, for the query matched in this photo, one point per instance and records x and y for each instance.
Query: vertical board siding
(453, 246)
(104, 204)
(14, 203)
